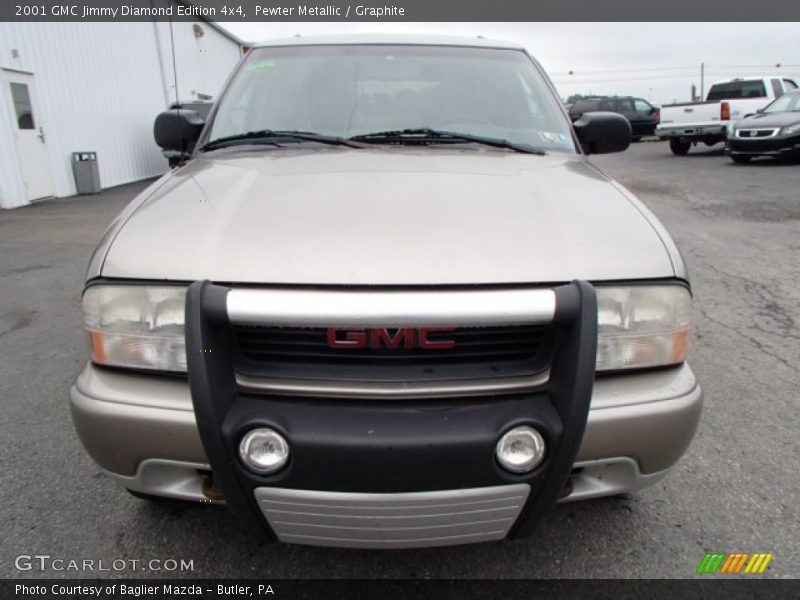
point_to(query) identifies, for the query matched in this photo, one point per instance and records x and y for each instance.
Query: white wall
(203, 63)
(99, 86)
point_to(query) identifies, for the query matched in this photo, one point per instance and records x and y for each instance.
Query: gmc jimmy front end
(387, 302)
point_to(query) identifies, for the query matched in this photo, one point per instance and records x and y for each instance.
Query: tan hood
(387, 216)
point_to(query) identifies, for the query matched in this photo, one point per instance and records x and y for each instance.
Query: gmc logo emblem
(424, 338)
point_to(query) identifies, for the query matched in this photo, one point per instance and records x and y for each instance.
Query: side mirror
(178, 129)
(603, 132)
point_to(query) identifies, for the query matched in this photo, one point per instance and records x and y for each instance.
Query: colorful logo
(734, 562)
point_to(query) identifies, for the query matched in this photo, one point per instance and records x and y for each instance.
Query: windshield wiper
(426, 135)
(270, 136)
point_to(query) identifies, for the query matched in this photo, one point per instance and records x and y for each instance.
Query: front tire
(739, 159)
(679, 147)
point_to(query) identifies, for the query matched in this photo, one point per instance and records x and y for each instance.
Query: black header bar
(441, 589)
(401, 10)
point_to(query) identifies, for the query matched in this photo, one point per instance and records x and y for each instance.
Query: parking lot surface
(735, 490)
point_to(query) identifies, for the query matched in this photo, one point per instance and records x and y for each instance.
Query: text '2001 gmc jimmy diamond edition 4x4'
(387, 302)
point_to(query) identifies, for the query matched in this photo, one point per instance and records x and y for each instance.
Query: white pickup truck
(728, 100)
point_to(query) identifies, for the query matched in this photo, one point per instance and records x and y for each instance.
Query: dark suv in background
(642, 115)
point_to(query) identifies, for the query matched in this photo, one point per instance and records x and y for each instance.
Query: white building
(73, 87)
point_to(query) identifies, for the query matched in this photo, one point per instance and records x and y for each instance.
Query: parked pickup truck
(729, 100)
(387, 302)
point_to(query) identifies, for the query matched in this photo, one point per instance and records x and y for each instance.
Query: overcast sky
(658, 61)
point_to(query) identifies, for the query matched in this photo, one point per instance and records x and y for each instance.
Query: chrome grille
(756, 133)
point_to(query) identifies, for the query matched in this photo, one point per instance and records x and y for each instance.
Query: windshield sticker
(554, 137)
(265, 63)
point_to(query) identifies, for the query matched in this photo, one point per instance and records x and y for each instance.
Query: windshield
(737, 89)
(346, 91)
(786, 103)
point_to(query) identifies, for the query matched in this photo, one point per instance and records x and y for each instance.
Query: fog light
(263, 450)
(520, 450)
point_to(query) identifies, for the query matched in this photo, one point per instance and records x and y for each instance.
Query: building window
(22, 105)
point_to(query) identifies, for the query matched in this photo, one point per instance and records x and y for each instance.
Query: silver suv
(387, 302)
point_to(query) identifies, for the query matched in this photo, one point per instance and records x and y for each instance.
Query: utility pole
(702, 81)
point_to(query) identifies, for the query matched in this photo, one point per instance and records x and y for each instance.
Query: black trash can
(87, 177)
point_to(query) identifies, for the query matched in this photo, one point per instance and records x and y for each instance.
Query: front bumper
(773, 146)
(692, 131)
(141, 430)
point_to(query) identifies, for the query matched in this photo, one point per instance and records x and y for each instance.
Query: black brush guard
(390, 446)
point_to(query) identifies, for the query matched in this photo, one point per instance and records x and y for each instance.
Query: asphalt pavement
(735, 490)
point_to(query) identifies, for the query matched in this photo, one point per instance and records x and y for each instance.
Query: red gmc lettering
(380, 337)
(353, 339)
(427, 344)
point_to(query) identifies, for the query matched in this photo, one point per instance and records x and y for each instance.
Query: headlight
(791, 129)
(136, 326)
(642, 326)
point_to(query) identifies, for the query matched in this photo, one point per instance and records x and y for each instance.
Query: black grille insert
(478, 352)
